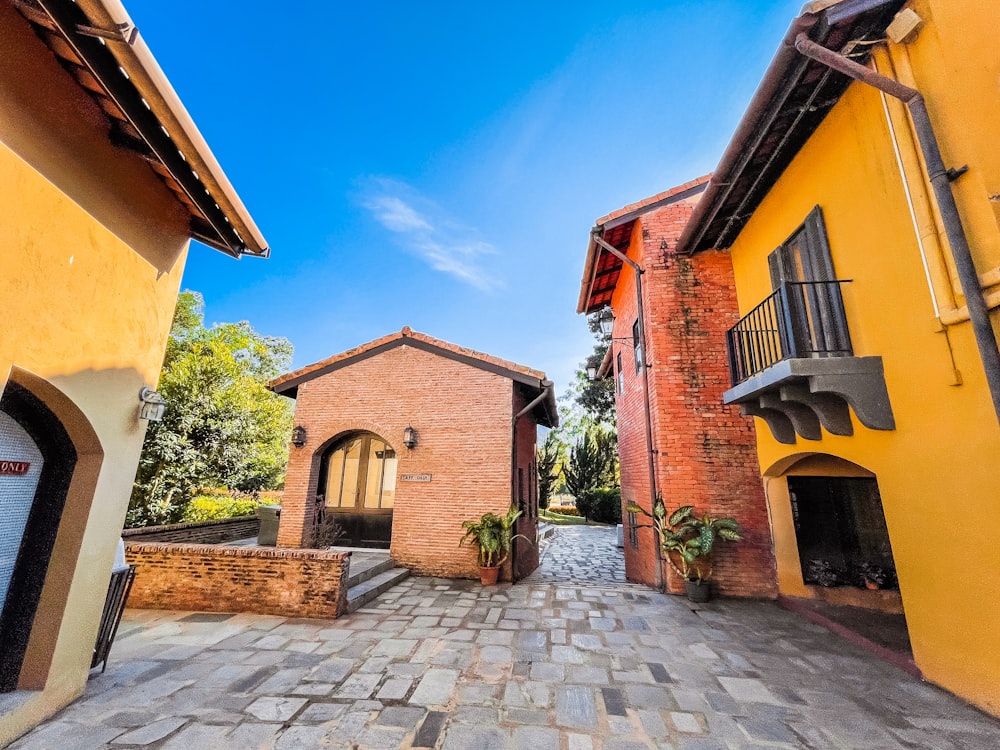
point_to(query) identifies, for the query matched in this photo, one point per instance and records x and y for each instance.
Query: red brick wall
(201, 532)
(705, 451)
(203, 577)
(462, 416)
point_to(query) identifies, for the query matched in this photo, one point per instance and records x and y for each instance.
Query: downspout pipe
(979, 314)
(653, 491)
(546, 390)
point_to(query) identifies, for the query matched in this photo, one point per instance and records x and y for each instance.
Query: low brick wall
(209, 578)
(197, 532)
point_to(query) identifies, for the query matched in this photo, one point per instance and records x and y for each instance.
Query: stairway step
(364, 592)
(359, 573)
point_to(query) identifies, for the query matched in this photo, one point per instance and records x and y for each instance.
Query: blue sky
(440, 164)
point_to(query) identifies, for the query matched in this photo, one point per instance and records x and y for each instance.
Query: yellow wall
(92, 247)
(937, 470)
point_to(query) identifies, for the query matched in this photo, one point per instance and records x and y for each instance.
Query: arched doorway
(37, 459)
(357, 481)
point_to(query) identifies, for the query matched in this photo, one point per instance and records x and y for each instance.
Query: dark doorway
(358, 483)
(841, 532)
(37, 459)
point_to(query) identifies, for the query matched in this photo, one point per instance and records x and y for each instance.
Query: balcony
(791, 363)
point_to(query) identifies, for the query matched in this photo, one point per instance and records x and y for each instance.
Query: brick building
(696, 451)
(403, 438)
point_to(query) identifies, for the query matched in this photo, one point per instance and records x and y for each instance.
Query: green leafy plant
(212, 507)
(493, 536)
(687, 539)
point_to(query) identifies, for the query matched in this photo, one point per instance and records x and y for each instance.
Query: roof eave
(142, 69)
(817, 19)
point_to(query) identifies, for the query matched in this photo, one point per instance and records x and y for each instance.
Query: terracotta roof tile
(406, 332)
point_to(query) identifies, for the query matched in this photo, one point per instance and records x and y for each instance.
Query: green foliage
(596, 397)
(591, 465)
(687, 540)
(605, 504)
(546, 460)
(221, 426)
(492, 535)
(215, 507)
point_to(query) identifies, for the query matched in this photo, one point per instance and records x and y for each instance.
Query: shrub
(564, 510)
(214, 507)
(605, 504)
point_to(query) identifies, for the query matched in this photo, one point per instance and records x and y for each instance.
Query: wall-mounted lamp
(607, 321)
(591, 372)
(410, 437)
(299, 436)
(153, 405)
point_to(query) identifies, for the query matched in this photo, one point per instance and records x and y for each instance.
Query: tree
(222, 426)
(546, 459)
(591, 466)
(596, 397)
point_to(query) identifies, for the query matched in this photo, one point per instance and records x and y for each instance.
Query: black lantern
(607, 321)
(591, 371)
(410, 437)
(299, 436)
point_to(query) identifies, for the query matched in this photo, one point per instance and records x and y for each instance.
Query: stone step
(363, 569)
(359, 595)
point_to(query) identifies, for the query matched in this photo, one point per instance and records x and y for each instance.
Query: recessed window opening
(637, 346)
(841, 532)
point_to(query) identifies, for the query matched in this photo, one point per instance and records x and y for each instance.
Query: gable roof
(100, 47)
(534, 380)
(601, 269)
(791, 101)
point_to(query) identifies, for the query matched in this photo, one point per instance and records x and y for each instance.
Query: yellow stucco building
(860, 201)
(103, 180)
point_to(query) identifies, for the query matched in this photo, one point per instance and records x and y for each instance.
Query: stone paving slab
(548, 664)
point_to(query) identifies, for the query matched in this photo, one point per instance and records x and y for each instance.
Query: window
(637, 346)
(803, 268)
(621, 375)
(633, 529)
(360, 474)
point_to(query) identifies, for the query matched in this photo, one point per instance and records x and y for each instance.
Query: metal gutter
(651, 464)
(160, 117)
(979, 314)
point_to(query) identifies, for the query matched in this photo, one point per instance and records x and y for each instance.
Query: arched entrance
(37, 459)
(357, 481)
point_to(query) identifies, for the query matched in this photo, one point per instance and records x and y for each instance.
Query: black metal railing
(801, 319)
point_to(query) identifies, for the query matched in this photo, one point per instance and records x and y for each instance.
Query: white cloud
(444, 245)
(396, 216)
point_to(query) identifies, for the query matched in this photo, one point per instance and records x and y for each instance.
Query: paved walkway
(581, 554)
(537, 666)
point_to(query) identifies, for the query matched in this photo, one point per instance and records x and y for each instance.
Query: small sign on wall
(17, 468)
(414, 477)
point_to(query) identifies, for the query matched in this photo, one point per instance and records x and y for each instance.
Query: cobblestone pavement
(581, 554)
(536, 666)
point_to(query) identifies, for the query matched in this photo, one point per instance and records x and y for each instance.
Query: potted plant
(493, 536)
(687, 541)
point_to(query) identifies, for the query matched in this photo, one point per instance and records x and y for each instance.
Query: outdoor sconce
(591, 372)
(410, 437)
(607, 321)
(299, 436)
(153, 405)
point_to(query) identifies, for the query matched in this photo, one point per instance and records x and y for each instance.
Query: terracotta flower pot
(488, 576)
